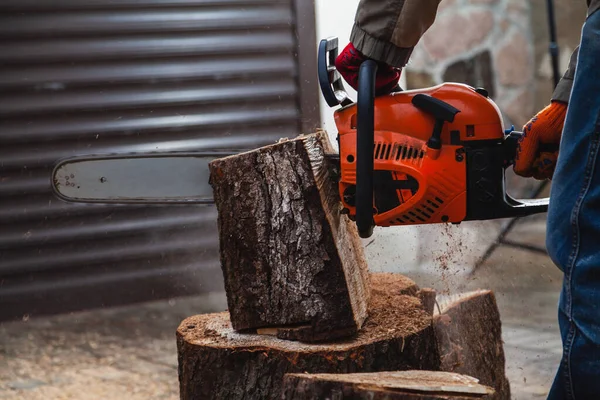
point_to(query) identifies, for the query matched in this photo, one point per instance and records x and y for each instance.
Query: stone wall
(501, 45)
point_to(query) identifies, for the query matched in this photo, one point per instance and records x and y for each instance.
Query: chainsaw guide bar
(161, 178)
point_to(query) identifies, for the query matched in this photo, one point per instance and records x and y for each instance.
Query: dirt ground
(130, 353)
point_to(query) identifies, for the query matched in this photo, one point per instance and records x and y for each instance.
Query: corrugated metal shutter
(117, 76)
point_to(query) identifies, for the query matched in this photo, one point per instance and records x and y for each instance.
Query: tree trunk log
(469, 335)
(404, 385)
(216, 362)
(290, 260)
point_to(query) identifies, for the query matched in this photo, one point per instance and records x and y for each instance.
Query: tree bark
(428, 298)
(216, 362)
(403, 385)
(469, 336)
(291, 262)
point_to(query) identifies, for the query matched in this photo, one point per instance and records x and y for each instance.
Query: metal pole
(553, 48)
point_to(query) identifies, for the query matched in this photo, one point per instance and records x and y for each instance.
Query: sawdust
(387, 282)
(392, 314)
(446, 261)
(386, 320)
(393, 305)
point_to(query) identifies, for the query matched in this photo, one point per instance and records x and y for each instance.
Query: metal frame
(305, 33)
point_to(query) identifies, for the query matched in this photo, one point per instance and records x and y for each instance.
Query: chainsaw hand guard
(330, 80)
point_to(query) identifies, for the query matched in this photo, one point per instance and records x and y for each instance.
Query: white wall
(335, 18)
(443, 253)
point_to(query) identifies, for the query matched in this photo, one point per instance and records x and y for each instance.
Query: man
(387, 31)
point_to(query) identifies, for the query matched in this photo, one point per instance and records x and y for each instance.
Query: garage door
(120, 76)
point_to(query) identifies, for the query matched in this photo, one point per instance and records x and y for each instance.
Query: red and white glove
(348, 63)
(544, 128)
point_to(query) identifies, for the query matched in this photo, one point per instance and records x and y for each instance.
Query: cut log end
(397, 385)
(216, 362)
(390, 283)
(469, 336)
(392, 315)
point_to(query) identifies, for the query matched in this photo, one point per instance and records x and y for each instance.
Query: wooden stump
(290, 260)
(428, 298)
(469, 335)
(216, 362)
(404, 385)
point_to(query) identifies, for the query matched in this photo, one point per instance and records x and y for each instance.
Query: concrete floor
(119, 353)
(130, 353)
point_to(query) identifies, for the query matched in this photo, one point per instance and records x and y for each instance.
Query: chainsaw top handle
(365, 139)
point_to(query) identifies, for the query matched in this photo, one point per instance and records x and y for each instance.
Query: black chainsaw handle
(511, 142)
(487, 197)
(365, 139)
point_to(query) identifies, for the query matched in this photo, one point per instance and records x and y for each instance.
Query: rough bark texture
(404, 385)
(469, 335)
(289, 258)
(216, 362)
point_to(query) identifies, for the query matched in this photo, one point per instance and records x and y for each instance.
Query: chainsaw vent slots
(443, 184)
(421, 212)
(396, 151)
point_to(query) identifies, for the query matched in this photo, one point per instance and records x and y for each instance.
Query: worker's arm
(388, 30)
(385, 31)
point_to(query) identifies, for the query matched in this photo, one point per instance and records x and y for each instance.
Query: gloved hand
(544, 128)
(348, 63)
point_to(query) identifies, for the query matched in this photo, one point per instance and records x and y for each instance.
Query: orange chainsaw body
(431, 184)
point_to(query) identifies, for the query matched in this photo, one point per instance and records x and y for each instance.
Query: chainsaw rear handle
(486, 191)
(511, 142)
(365, 141)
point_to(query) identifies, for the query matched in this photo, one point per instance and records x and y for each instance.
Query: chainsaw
(433, 155)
